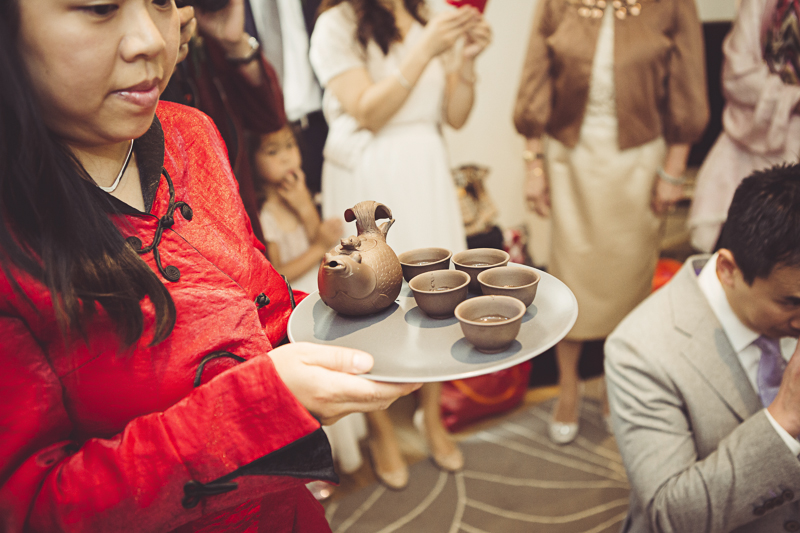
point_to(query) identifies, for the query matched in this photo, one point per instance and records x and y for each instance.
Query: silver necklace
(121, 171)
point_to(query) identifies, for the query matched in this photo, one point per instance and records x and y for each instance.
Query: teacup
(521, 283)
(475, 261)
(490, 323)
(416, 262)
(439, 292)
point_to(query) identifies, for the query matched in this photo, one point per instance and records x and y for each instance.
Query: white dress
(292, 244)
(605, 236)
(405, 164)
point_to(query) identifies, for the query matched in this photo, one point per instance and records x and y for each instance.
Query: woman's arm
(667, 193)
(535, 95)
(537, 186)
(373, 104)
(460, 93)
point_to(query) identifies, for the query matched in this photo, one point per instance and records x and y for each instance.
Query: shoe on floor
(449, 462)
(561, 433)
(396, 479)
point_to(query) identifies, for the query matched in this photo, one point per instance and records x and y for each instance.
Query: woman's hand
(665, 195)
(537, 188)
(188, 27)
(325, 380)
(443, 30)
(477, 39)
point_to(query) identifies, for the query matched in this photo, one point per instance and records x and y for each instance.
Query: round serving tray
(408, 346)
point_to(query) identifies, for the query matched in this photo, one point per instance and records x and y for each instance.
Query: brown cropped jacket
(659, 73)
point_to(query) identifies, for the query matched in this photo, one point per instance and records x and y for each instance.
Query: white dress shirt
(741, 337)
(301, 92)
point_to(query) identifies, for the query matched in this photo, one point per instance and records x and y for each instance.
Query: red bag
(465, 401)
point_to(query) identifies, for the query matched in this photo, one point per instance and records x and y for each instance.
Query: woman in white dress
(391, 79)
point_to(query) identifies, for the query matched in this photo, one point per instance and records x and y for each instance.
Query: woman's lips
(142, 97)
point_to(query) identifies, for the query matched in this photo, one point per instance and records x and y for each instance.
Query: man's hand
(785, 409)
(324, 379)
(226, 26)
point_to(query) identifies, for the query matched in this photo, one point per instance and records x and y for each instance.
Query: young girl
(296, 238)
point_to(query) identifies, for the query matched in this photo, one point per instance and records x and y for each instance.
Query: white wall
(489, 138)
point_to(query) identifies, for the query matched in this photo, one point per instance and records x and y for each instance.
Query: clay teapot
(362, 274)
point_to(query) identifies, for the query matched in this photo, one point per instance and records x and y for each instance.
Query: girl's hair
(55, 228)
(376, 21)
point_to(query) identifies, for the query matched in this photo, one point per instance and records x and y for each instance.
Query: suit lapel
(706, 347)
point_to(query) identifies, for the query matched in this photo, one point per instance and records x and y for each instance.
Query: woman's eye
(162, 3)
(101, 10)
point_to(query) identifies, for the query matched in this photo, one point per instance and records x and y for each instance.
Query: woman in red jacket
(138, 316)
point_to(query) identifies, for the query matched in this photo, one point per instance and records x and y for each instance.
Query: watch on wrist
(255, 48)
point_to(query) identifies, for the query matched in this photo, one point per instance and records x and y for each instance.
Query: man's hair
(763, 225)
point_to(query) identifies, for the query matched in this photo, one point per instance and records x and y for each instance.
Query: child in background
(296, 242)
(296, 238)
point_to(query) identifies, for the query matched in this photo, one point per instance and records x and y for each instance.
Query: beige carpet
(514, 480)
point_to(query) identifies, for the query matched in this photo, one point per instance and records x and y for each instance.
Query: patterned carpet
(514, 480)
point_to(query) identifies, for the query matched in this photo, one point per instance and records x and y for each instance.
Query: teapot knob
(350, 243)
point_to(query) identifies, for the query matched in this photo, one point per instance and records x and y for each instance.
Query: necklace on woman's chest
(114, 185)
(595, 8)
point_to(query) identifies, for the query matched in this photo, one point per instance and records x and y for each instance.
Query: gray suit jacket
(699, 450)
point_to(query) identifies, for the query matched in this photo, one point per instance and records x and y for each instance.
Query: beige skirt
(605, 238)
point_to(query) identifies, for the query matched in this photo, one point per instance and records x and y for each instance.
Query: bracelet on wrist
(529, 156)
(681, 180)
(255, 48)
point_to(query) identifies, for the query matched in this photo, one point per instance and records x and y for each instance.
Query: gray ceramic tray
(410, 347)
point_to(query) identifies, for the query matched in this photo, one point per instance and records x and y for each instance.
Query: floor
(413, 444)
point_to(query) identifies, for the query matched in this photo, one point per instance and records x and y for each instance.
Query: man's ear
(727, 269)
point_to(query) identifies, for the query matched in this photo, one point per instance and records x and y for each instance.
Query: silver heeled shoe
(561, 433)
(565, 432)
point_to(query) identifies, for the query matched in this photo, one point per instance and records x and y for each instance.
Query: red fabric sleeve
(50, 483)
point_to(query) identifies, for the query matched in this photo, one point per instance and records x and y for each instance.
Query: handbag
(465, 401)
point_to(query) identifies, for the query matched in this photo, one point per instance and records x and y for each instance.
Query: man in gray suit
(705, 407)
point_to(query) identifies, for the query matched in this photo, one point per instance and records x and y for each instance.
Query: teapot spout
(345, 274)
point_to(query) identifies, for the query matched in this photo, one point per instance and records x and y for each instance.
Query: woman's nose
(142, 36)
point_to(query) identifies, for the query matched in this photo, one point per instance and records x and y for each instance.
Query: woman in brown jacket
(612, 95)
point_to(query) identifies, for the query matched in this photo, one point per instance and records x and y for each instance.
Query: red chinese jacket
(195, 434)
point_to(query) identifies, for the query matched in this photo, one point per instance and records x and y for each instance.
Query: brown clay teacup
(475, 261)
(490, 323)
(520, 283)
(415, 262)
(439, 292)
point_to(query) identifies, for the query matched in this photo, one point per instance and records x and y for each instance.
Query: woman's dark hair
(55, 228)
(763, 225)
(375, 21)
